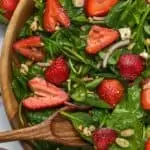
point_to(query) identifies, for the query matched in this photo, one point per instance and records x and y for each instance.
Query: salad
(87, 53)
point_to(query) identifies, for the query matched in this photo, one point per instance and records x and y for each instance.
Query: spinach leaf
(112, 19)
(26, 30)
(100, 116)
(35, 117)
(35, 70)
(131, 102)
(126, 120)
(139, 33)
(19, 85)
(76, 15)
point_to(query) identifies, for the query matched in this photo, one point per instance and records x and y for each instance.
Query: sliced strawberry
(8, 6)
(145, 99)
(47, 95)
(104, 137)
(111, 91)
(30, 48)
(54, 14)
(99, 38)
(147, 145)
(98, 7)
(58, 72)
(145, 95)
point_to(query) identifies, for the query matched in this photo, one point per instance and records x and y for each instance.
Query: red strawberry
(103, 138)
(98, 7)
(30, 48)
(58, 72)
(111, 91)
(99, 38)
(145, 95)
(47, 95)
(130, 66)
(8, 6)
(147, 145)
(54, 14)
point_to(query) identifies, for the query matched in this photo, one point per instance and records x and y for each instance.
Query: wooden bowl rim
(10, 103)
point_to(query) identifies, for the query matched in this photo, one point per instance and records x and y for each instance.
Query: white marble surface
(4, 123)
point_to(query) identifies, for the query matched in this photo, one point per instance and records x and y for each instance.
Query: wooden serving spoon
(54, 129)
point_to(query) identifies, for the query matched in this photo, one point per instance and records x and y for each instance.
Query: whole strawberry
(111, 91)
(103, 138)
(130, 66)
(8, 6)
(58, 72)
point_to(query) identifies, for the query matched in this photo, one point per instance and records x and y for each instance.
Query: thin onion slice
(112, 49)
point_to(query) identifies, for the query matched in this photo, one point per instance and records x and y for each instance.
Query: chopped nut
(87, 132)
(78, 3)
(127, 133)
(148, 132)
(144, 55)
(75, 85)
(98, 18)
(29, 62)
(43, 64)
(57, 28)
(122, 142)
(98, 65)
(92, 128)
(42, 44)
(87, 79)
(131, 46)
(24, 69)
(80, 127)
(34, 26)
(90, 19)
(40, 28)
(147, 41)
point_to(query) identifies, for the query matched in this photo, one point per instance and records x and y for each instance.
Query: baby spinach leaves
(112, 19)
(19, 85)
(35, 117)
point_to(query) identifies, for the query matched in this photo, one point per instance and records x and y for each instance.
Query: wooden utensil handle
(37, 132)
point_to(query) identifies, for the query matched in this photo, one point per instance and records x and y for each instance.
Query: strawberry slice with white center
(47, 95)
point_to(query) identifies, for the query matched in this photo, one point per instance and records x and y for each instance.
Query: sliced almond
(122, 142)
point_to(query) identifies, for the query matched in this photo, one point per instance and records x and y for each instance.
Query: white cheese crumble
(125, 33)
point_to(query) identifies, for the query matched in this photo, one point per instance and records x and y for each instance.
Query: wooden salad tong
(55, 129)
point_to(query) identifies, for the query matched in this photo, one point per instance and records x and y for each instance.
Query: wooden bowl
(21, 14)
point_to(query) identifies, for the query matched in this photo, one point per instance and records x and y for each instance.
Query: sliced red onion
(112, 49)
(78, 107)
